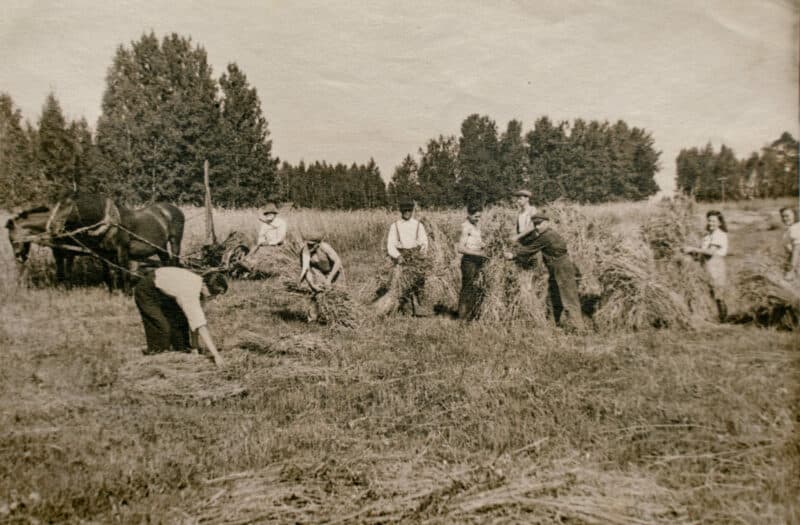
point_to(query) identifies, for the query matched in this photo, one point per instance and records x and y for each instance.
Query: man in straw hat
(320, 267)
(169, 302)
(563, 300)
(271, 236)
(407, 245)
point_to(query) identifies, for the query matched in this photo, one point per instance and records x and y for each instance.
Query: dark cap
(270, 208)
(522, 193)
(406, 205)
(536, 219)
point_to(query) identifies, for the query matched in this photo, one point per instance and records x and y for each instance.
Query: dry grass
(402, 420)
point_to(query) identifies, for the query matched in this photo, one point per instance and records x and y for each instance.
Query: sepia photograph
(366, 262)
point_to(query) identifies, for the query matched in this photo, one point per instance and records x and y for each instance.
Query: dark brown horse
(30, 227)
(117, 234)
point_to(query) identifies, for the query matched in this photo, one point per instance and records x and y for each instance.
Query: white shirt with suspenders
(406, 235)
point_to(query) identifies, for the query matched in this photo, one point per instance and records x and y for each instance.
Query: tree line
(581, 161)
(711, 176)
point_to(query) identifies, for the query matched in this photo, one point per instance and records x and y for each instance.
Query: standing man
(407, 245)
(523, 237)
(168, 300)
(526, 212)
(271, 236)
(562, 285)
(473, 259)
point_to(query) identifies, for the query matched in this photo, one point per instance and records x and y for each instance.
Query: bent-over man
(168, 300)
(562, 284)
(407, 245)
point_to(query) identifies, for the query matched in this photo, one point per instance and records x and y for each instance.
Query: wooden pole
(211, 237)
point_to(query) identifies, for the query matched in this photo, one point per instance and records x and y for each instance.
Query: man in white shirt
(407, 245)
(473, 258)
(168, 300)
(271, 236)
(526, 212)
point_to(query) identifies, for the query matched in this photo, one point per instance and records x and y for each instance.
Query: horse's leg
(123, 260)
(108, 276)
(58, 255)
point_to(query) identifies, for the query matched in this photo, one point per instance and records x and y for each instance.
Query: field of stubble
(412, 420)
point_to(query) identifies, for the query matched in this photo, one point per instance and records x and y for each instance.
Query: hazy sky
(346, 81)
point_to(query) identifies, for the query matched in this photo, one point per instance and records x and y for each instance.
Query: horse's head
(22, 227)
(77, 210)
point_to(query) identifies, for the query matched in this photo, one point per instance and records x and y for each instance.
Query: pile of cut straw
(180, 378)
(765, 296)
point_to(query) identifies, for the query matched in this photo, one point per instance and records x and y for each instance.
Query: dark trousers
(165, 325)
(471, 296)
(562, 296)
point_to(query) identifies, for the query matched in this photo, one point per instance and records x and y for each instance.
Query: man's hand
(397, 260)
(508, 255)
(789, 276)
(218, 361)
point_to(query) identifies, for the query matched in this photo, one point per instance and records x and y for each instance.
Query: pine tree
(404, 183)
(479, 170)
(438, 171)
(18, 174)
(246, 152)
(55, 153)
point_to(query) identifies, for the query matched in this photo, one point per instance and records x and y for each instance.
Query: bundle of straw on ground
(510, 292)
(635, 295)
(765, 296)
(181, 378)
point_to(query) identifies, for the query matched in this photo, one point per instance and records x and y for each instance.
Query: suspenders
(416, 235)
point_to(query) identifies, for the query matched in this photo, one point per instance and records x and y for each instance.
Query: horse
(119, 234)
(29, 227)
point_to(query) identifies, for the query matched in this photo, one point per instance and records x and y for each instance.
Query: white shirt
(791, 237)
(524, 222)
(184, 286)
(406, 235)
(470, 237)
(719, 239)
(273, 233)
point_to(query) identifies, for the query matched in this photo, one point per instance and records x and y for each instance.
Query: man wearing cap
(407, 244)
(169, 302)
(271, 235)
(526, 212)
(562, 284)
(273, 228)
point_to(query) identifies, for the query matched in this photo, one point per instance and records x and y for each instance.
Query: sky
(345, 81)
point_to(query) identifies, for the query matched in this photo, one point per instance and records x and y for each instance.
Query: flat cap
(522, 193)
(536, 219)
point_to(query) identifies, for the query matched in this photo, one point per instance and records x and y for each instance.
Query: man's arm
(391, 242)
(794, 263)
(333, 256)
(205, 336)
(281, 231)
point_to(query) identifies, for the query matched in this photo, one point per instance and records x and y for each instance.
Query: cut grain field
(400, 420)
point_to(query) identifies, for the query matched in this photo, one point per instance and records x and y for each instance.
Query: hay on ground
(286, 345)
(177, 377)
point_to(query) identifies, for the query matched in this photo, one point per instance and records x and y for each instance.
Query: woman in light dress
(711, 254)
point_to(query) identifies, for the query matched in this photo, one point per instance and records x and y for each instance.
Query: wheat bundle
(635, 295)
(510, 292)
(670, 228)
(178, 377)
(766, 297)
(334, 304)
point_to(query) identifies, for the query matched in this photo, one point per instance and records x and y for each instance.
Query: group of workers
(169, 298)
